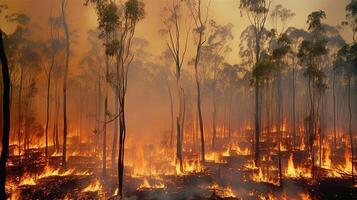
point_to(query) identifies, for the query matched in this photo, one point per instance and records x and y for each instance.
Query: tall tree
(257, 12)
(345, 65)
(177, 45)
(6, 117)
(311, 54)
(65, 79)
(133, 12)
(200, 16)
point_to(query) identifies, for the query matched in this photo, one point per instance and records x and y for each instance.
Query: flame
(93, 187)
(28, 180)
(305, 196)
(54, 172)
(147, 185)
(223, 192)
(296, 172)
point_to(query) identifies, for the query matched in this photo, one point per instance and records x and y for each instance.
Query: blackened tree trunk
(350, 125)
(334, 108)
(104, 148)
(171, 114)
(214, 120)
(280, 102)
(257, 124)
(65, 27)
(55, 122)
(294, 106)
(116, 127)
(6, 118)
(48, 100)
(20, 111)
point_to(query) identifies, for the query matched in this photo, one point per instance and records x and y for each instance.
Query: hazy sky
(223, 11)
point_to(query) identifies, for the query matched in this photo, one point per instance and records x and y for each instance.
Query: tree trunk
(257, 124)
(214, 113)
(171, 114)
(65, 27)
(280, 102)
(350, 125)
(48, 101)
(294, 107)
(334, 109)
(6, 118)
(20, 112)
(116, 126)
(104, 148)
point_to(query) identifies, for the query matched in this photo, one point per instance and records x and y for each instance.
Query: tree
(54, 45)
(213, 52)
(311, 53)
(200, 19)
(257, 12)
(174, 44)
(345, 65)
(6, 117)
(65, 79)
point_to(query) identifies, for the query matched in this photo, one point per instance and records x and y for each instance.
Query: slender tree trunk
(48, 101)
(20, 113)
(257, 124)
(214, 113)
(171, 114)
(104, 148)
(56, 117)
(179, 121)
(6, 118)
(65, 27)
(334, 109)
(350, 126)
(116, 127)
(280, 102)
(294, 107)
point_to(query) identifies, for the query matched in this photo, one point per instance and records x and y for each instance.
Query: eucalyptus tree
(279, 55)
(345, 65)
(5, 116)
(257, 12)
(15, 44)
(65, 79)
(133, 13)
(212, 57)
(177, 42)
(199, 13)
(53, 46)
(311, 53)
(108, 20)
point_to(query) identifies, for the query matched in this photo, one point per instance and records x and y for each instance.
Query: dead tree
(6, 117)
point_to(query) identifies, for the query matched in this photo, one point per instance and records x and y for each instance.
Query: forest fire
(193, 99)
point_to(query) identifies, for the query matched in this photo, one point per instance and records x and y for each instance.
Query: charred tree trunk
(20, 112)
(6, 118)
(116, 126)
(214, 115)
(104, 148)
(65, 27)
(171, 114)
(294, 106)
(334, 109)
(280, 102)
(350, 126)
(55, 123)
(257, 124)
(49, 76)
